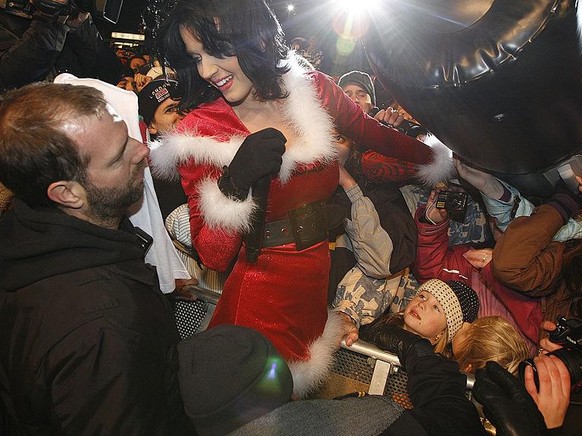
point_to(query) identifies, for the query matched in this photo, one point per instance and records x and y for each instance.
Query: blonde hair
(491, 338)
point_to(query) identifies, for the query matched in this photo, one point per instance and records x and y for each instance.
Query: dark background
(310, 18)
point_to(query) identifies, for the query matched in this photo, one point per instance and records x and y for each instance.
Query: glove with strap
(506, 403)
(395, 340)
(259, 155)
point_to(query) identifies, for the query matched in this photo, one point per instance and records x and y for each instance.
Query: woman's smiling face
(425, 316)
(225, 74)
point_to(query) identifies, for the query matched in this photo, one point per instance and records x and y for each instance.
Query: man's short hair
(35, 150)
(362, 79)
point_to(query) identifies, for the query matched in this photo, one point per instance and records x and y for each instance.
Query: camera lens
(570, 356)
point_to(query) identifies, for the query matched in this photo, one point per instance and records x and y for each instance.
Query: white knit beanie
(459, 302)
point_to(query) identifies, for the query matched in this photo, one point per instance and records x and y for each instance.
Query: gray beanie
(361, 79)
(230, 375)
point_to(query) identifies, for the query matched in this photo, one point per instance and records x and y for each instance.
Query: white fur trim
(223, 212)
(441, 168)
(309, 374)
(175, 149)
(303, 112)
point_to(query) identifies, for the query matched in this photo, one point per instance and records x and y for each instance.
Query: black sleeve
(28, 57)
(85, 54)
(437, 391)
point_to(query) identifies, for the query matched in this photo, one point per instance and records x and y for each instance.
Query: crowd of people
(318, 218)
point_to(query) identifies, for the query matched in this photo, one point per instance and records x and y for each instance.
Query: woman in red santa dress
(260, 113)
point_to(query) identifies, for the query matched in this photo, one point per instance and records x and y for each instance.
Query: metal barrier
(363, 364)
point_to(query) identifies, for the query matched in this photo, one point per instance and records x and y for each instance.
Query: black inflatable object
(498, 81)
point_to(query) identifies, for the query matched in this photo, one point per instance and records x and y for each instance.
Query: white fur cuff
(310, 374)
(441, 168)
(223, 212)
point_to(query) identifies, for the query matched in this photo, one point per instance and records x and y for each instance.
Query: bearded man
(88, 339)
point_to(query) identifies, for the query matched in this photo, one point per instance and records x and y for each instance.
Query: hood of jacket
(40, 243)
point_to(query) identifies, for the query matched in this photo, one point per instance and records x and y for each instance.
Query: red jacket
(435, 259)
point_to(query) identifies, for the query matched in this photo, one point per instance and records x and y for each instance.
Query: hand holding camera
(551, 392)
(434, 214)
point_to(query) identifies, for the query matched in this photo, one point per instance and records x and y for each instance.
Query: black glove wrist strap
(228, 188)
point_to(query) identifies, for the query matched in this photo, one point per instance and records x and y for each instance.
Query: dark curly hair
(247, 29)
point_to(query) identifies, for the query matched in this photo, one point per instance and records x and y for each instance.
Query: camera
(454, 202)
(568, 334)
(412, 129)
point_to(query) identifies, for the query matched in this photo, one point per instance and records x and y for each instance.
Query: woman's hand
(479, 258)
(432, 214)
(484, 182)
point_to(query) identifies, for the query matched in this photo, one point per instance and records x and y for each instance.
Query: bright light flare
(357, 7)
(290, 8)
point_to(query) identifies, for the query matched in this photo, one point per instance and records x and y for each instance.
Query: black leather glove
(259, 155)
(506, 403)
(395, 340)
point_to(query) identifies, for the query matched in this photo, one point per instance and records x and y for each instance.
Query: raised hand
(484, 182)
(259, 155)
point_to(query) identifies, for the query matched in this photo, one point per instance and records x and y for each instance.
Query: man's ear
(67, 194)
(152, 128)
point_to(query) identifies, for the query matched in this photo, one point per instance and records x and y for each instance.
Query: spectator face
(116, 166)
(224, 74)
(359, 96)
(127, 83)
(344, 146)
(136, 62)
(165, 117)
(425, 316)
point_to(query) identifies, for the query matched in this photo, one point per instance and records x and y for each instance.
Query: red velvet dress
(283, 294)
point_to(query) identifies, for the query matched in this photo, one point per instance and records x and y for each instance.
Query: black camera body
(411, 128)
(454, 202)
(568, 334)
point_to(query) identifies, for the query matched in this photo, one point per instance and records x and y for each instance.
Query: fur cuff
(223, 212)
(441, 168)
(310, 374)
(175, 149)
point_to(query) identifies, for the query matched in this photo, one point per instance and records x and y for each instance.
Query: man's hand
(183, 289)
(75, 21)
(141, 80)
(389, 116)
(553, 395)
(545, 344)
